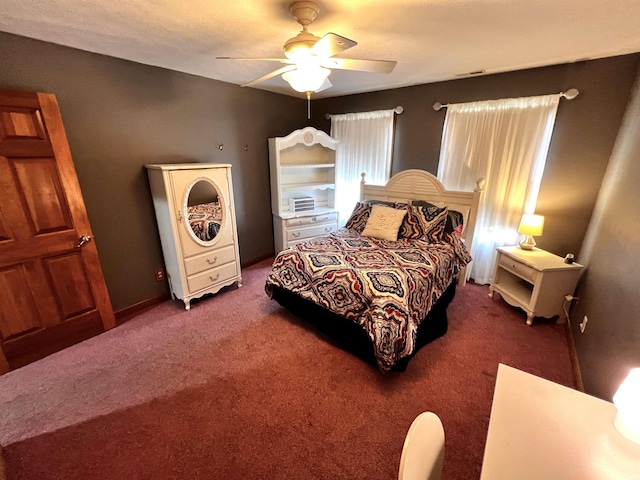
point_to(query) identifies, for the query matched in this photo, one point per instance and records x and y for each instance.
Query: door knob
(82, 240)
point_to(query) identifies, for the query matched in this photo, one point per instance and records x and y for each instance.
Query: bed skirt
(352, 337)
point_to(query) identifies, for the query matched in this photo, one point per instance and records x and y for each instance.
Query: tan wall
(582, 140)
(610, 345)
(582, 143)
(121, 115)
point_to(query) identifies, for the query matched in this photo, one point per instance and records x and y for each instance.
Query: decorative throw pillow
(359, 217)
(455, 219)
(427, 223)
(406, 229)
(384, 223)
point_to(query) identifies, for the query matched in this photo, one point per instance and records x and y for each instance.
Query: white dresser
(302, 168)
(197, 224)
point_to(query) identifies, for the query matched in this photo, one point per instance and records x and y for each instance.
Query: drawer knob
(215, 277)
(211, 262)
(313, 219)
(296, 234)
(327, 229)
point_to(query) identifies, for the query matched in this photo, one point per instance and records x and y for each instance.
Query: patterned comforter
(387, 287)
(205, 220)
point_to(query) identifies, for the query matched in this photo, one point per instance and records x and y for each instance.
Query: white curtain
(506, 143)
(366, 145)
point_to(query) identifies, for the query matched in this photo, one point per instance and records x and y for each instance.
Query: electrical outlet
(159, 274)
(583, 324)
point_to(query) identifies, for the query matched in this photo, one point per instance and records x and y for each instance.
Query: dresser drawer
(208, 278)
(311, 220)
(200, 263)
(517, 268)
(300, 234)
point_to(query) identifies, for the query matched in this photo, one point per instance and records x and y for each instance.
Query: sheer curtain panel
(506, 143)
(366, 145)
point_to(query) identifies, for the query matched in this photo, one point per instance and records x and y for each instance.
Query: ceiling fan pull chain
(308, 105)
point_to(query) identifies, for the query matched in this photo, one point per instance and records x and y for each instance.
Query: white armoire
(197, 224)
(303, 171)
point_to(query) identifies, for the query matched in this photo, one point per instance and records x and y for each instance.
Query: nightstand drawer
(517, 268)
(300, 234)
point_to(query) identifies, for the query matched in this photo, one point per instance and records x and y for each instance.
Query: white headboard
(417, 184)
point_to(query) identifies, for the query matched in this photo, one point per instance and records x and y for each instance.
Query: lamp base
(527, 242)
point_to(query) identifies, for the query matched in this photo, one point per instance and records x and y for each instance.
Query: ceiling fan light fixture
(306, 79)
(299, 46)
(310, 59)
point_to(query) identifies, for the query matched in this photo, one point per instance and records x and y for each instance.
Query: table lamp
(530, 226)
(627, 401)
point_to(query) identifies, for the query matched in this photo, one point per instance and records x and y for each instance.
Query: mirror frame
(223, 206)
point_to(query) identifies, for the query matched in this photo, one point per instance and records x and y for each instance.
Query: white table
(542, 430)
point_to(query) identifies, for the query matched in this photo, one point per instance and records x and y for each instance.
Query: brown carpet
(238, 388)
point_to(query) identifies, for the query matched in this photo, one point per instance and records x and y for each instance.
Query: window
(506, 143)
(366, 145)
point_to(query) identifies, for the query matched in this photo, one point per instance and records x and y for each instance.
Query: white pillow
(384, 222)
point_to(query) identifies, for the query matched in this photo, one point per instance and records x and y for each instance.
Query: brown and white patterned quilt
(205, 219)
(387, 287)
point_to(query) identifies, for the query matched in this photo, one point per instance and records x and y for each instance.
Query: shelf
(307, 165)
(301, 164)
(292, 187)
(513, 287)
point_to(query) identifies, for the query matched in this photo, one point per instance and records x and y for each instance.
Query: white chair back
(423, 451)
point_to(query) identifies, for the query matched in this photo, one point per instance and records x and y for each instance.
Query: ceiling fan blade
(376, 66)
(331, 44)
(281, 60)
(275, 73)
(325, 85)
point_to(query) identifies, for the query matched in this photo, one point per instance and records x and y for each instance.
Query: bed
(205, 219)
(382, 299)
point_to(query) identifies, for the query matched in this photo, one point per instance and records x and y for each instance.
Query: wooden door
(52, 290)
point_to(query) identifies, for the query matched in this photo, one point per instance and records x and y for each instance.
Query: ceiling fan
(310, 59)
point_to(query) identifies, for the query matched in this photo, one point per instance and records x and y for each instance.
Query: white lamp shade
(627, 401)
(307, 78)
(531, 225)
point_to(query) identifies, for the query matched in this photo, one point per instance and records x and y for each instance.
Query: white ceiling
(431, 40)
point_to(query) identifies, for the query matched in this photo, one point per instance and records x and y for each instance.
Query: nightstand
(534, 280)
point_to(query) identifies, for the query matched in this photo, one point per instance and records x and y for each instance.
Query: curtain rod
(398, 110)
(569, 95)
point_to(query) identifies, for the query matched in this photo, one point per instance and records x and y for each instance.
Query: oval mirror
(204, 210)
